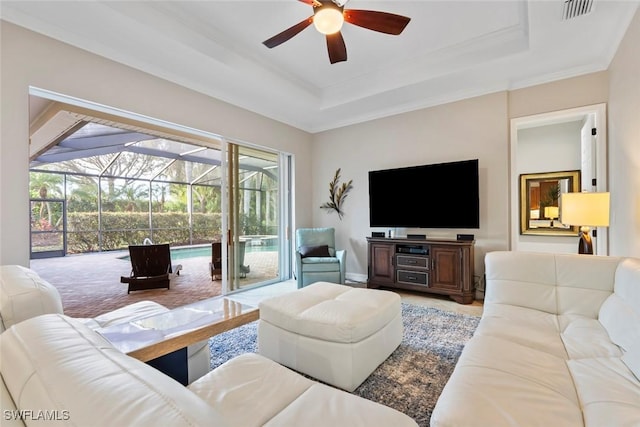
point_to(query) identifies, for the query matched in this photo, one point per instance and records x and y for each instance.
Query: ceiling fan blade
(383, 22)
(336, 47)
(287, 34)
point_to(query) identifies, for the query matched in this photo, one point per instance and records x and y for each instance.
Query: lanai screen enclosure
(103, 188)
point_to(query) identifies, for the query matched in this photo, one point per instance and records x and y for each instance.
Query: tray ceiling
(450, 50)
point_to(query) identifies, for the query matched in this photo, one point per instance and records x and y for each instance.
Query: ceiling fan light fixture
(328, 20)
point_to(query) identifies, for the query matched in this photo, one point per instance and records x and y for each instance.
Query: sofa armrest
(8, 407)
(342, 257)
(56, 363)
(24, 294)
(298, 269)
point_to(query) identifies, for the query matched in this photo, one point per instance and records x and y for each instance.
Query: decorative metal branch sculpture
(337, 194)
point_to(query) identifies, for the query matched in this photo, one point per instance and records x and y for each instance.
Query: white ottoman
(331, 332)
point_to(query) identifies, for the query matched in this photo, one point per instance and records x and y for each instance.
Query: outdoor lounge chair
(244, 269)
(150, 267)
(215, 266)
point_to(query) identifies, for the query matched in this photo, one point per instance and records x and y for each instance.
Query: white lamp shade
(551, 212)
(585, 209)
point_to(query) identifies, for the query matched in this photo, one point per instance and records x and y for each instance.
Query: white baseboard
(354, 277)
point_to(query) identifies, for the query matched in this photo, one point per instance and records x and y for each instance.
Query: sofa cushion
(332, 312)
(555, 283)
(24, 294)
(53, 362)
(525, 326)
(499, 383)
(293, 399)
(583, 285)
(585, 338)
(254, 379)
(609, 393)
(525, 280)
(314, 251)
(320, 264)
(322, 405)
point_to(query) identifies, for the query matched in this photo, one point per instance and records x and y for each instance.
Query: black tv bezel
(470, 222)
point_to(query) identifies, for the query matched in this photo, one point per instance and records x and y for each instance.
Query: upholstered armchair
(317, 258)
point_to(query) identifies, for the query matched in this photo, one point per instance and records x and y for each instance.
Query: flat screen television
(443, 195)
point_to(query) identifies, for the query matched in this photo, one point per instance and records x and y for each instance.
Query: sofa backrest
(56, 364)
(562, 284)
(24, 294)
(620, 313)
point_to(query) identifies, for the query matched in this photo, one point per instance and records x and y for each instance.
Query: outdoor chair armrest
(132, 279)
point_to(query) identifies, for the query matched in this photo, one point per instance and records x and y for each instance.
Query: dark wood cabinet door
(381, 270)
(446, 269)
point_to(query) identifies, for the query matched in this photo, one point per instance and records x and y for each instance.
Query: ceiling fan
(328, 17)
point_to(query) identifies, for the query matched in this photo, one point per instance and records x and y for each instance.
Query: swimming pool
(205, 251)
(191, 252)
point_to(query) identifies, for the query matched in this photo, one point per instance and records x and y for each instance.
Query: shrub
(121, 229)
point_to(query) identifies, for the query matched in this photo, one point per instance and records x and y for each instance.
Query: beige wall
(29, 59)
(475, 128)
(565, 94)
(624, 144)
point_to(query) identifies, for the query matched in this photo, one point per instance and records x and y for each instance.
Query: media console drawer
(412, 261)
(412, 277)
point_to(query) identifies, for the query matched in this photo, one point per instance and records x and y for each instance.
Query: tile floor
(90, 285)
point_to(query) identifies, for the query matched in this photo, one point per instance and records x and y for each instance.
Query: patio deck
(89, 284)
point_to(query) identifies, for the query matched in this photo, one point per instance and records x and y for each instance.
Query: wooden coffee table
(161, 339)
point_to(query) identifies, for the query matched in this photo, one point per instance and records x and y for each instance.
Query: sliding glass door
(254, 217)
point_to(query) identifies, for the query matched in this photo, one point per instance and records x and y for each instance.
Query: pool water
(198, 251)
(205, 251)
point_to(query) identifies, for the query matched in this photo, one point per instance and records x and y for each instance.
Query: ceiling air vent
(575, 8)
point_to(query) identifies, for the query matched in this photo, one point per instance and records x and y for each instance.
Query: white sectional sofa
(56, 370)
(24, 294)
(558, 345)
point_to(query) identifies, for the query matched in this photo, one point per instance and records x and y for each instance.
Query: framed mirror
(540, 202)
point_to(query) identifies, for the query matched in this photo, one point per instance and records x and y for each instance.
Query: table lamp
(551, 212)
(586, 210)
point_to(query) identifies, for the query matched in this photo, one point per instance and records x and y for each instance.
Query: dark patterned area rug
(411, 379)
